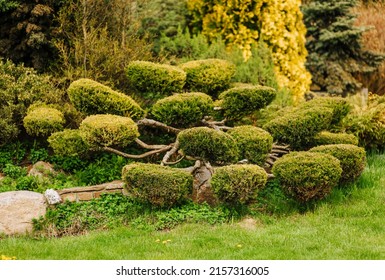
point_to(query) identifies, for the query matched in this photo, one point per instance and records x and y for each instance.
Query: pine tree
(336, 53)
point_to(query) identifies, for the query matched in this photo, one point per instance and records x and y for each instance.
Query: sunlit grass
(350, 224)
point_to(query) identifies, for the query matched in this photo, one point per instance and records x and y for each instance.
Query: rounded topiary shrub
(238, 184)
(254, 143)
(340, 106)
(108, 130)
(326, 138)
(182, 110)
(352, 159)
(307, 176)
(208, 144)
(159, 79)
(91, 97)
(157, 185)
(210, 76)
(298, 127)
(42, 121)
(241, 101)
(68, 142)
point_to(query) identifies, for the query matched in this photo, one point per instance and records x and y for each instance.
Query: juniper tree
(336, 53)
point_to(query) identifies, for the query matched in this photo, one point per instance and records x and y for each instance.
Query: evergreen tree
(336, 54)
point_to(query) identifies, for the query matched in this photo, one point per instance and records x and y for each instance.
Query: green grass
(349, 224)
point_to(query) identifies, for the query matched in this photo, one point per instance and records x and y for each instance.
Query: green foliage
(352, 159)
(68, 142)
(238, 184)
(369, 126)
(336, 53)
(254, 143)
(108, 130)
(91, 97)
(212, 145)
(20, 87)
(210, 76)
(6, 5)
(241, 101)
(326, 138)
(43, 121)
(157, 185)
(14, 171)
(307, 176)
(297, 127)
(183, 110)
(153, 80)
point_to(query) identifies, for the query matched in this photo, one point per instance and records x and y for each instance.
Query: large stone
(41, 169)
(18, 208)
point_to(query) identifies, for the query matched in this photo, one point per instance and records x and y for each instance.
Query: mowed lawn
(350, 224)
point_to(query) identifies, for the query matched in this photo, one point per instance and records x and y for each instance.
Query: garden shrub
(254, 143)
(108, 130)
(91, 97)
(68, 142)
(307, 176)
(43, 121)
(208, 144)
(210, 76)
(297, 127)
(155, 80)
(182, 110)
(339, 105)
(157, 185)
(243, 100)
(352, 159)
(326, 138)
(238, 184)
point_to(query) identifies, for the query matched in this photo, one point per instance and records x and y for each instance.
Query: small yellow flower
(239, 246)
(6, 258)
(157, 241)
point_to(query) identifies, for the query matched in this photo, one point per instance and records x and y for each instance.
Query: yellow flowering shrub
(244, 22)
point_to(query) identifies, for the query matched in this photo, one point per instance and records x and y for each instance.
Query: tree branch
(173, 150)
(120, 153)
(149, 147)
(154, 123)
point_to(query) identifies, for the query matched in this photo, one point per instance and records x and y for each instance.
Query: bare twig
(120, 153)
(217, 125)
(149, 147)
(173, 150)
(154, 123)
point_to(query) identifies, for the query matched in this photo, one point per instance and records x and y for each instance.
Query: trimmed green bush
(210, 76)
(42, 121)
(208, 144)
(159, 79)
(298, 127)
(182, 110)
(339, 105)
(91, 97)
(254, 143)
(243, 100)
(326, 138)
(238, 184)
(307, 176)
(157, 185)
(108, 130)
(68, 142)
(352, 159)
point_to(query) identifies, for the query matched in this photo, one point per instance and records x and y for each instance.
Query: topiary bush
(254, 143)
(297, 127)
(238, 184)
(42, 121)
(339, 105)
(210, 76)
(183, 110)
(108, 130)
(153, 80)
(208, 144)
(352, 159)
(307, 176)
(326, 138)
(243, 100)
(157, 185)
(91, 97)
(68, 142)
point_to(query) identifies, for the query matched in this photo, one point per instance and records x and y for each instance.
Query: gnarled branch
(154, 123)
(149, 147)
(120, 153)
